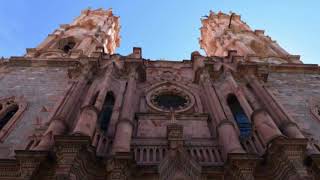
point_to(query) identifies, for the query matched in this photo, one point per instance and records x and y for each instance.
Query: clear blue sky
(166, 29)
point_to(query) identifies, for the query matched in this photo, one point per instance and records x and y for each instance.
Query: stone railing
(152, 151)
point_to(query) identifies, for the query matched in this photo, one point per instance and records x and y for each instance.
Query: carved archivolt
(14, 105)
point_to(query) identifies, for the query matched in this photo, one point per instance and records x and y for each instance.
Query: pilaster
(66, 151)
(285, 124)
(29, 162)
(241, 166)
(285, 159)
(118, 168)
(124, 127)
(225, 128)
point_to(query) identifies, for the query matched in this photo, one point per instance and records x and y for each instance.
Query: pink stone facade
(247, 110)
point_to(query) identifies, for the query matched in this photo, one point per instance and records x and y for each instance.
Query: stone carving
(169, 89)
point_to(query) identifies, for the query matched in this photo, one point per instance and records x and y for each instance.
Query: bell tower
(221, 33)
(92, 30)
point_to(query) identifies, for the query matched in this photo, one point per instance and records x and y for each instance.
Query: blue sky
(165, 29)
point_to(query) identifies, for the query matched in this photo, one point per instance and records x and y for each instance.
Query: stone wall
(295, 92)
(42, 88)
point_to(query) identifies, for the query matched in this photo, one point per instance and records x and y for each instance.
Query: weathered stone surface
(41, 87)
(295, 91)
(93, 114)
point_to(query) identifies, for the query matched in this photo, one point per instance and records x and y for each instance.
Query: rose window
(170, 98)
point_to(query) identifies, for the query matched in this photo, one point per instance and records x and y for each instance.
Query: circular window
(170, 98)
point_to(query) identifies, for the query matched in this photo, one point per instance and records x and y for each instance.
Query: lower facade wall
(42, 88)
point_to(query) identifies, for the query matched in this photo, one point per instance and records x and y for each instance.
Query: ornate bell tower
(221, 33)
(92, 30)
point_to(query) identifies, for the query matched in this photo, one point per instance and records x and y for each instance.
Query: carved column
(265, 126)
(225, 128)
(288, 127)
(87, 121)
(89, 113)
(59, 123)
(239, 94)
(124, 128)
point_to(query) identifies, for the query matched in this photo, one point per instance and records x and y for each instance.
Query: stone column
(60, 121)
(262, 121)
(89, 114)
(265, 126)
(125, 125)
(225, 128)
(288, 127)
(240, 95)
(87, 121)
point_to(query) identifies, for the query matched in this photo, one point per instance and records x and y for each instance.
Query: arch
(106, 112)
(67, 44)
(240, 116)
(10, 111)
(7, 113)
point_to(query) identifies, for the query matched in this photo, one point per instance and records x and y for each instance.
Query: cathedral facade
(73, 109)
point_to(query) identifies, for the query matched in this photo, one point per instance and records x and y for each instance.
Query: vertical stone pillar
(265, 126)
(125, 125)
(240, 95)
(87, 121)
(89, 113)
(288, 127)
(226, 131)
(59, 123)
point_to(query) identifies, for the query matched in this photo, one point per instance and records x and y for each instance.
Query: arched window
(7, 111)
(11, 109)
(241, 118)
(106, 111)
(68, 47)
(66, 44)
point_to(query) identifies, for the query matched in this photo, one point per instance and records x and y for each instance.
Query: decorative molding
(241, 166)
(284, 159)
(118, 167)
